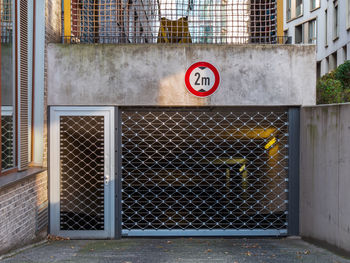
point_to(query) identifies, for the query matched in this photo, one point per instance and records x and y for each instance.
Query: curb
(17, 251)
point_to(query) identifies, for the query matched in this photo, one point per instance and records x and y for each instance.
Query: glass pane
(7, 87)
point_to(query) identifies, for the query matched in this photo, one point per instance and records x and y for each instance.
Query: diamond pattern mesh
(82, 172)
(7, 158)
(191, 169)
(174, 21)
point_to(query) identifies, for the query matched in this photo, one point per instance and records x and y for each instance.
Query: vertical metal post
(67, 20)
(118, 174)
(293, 171)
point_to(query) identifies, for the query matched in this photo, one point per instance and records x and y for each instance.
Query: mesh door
(191, 169)
(82, 172)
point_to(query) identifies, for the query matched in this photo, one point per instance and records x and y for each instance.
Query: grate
(82, 172)
(204, 169)
(23, 139)
(7, 158)
(173, 21)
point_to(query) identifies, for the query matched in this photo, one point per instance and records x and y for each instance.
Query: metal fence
(7, 142)
(204, 171)
(172, 21)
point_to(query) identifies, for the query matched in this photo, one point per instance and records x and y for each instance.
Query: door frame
(55, 112)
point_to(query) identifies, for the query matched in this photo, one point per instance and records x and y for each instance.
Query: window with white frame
(326, 27)
(299, 8)
(294, 9)
(335, 21)
(289, 9)
(312, 34)
(299, 33)
(314, 4)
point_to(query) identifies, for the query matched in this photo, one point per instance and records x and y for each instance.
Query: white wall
(324, 51)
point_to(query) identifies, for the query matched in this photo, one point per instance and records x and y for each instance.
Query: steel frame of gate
(115, 218)
(54, 170)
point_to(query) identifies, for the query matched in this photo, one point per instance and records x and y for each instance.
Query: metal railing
(116, 40)
(171, 21)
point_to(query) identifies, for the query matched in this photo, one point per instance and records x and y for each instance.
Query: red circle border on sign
(198, 93)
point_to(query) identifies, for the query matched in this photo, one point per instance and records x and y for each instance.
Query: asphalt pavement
(175, 250)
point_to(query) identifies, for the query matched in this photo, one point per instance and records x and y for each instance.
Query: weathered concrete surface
(154, 74)
(325, 174)
(178, 250)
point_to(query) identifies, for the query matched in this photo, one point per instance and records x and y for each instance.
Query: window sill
(315, 9)
(9, 179)
(294, 18)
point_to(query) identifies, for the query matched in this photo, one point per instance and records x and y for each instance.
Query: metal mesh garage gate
(204, 171)
(82, 172)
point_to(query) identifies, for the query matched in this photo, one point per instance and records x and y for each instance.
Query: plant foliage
(334, 87)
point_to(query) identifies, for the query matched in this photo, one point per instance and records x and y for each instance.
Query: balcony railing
(171, 21)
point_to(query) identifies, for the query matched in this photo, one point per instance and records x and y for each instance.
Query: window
(312, 36)
(348, 14)
(299, 8)
(333, 61)
(326, 27)
(294, 8)
(289, 9)
(318, 70)
(14, 86)
(335, 21)
(8, 121)
(314, 4)
(299, 34)
(345, 52)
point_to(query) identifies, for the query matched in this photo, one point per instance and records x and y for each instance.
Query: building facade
(321, 22)
(135, 153)
(132, 151)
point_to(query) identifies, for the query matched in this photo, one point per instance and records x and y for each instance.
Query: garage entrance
(206, 171)
(189, 171)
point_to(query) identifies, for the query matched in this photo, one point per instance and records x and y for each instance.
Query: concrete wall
(325, 174)
(154, 74)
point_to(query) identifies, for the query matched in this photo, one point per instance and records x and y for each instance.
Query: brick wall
(19, 206)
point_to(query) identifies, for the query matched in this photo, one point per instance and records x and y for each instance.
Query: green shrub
(334, 87)
(342, 73)
(329, 91)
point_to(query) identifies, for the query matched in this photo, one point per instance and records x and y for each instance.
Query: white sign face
(202, 79)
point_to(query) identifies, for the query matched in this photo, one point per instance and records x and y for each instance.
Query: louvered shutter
(23, 85)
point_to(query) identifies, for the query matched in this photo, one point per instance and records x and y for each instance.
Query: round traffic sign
(202, 79)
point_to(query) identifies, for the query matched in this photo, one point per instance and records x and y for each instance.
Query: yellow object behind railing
(174, 31)
(67, 20)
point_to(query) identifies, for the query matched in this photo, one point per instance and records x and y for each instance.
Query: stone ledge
(7, 180)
